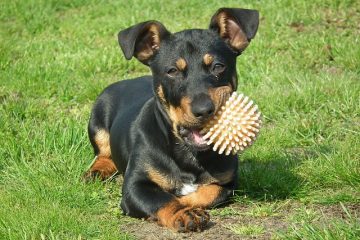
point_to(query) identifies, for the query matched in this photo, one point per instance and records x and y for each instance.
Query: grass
(247, 230)
(304, 227)
(303, 70)
(265, 209)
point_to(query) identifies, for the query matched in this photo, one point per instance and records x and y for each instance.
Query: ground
(244, 221)
(301, 178)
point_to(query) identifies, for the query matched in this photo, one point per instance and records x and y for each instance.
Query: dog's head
(194, 70)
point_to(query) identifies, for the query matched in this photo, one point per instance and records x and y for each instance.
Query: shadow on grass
(273, 177)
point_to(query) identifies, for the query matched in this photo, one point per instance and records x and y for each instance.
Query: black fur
(137, 118)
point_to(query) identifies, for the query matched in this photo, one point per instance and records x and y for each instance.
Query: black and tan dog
(148, 128)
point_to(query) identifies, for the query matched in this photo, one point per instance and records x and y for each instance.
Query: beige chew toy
(235, 126)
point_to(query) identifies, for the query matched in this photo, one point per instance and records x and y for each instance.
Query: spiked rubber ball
(234, 127)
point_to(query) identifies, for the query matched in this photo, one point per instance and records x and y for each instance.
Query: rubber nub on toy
(234, 127)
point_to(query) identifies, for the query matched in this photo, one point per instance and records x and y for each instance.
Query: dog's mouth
(193, 138)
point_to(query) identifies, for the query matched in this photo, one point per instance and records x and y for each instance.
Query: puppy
(148, 128)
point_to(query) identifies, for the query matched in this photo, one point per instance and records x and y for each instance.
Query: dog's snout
(202, 107)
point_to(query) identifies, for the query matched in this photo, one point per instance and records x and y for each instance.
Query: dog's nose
(202, 107)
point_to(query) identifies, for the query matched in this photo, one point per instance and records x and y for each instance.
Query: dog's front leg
(144, 198)
(206, 196)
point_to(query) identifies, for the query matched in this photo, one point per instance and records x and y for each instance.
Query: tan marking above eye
(181, 64)
(208, 59)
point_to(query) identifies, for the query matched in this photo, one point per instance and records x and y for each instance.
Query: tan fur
(220, 95)
(178, 115)
(229, 29)
(103, 168)
(160, 93)
(204, 196)
(181, 64)
(182, 115)
(221, 19)
(163, 181)
(208, 59)
(102, 140)
(155, 37)
(167, 214)
(175, 216)
(144, 52)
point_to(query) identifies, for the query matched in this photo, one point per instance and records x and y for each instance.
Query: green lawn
(302, 69)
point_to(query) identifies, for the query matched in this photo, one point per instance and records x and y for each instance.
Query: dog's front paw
(191, 219)
(184, 219)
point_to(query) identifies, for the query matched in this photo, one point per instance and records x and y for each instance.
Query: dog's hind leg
(102, 167)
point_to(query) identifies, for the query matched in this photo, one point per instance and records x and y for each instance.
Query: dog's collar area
(162, 119)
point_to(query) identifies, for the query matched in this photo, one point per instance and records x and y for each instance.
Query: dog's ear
(142, 40)
(236, 26)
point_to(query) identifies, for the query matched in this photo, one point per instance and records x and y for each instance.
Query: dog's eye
(218, 68)
(172, 72)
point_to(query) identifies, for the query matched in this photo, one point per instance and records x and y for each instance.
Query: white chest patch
(188, 188)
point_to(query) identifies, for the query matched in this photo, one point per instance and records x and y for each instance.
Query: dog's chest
(186, 184)
(192, 175)
(183, 188)
(187, 188)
